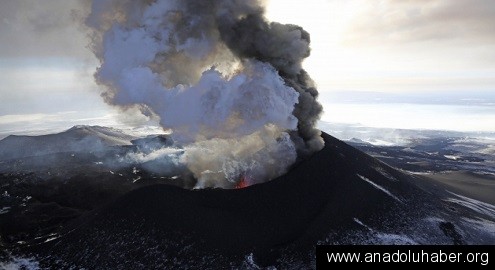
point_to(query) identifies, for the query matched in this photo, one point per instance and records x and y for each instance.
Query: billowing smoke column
(227, 83)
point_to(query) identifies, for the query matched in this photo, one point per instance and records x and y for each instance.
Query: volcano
(339, 195)
(242, 178)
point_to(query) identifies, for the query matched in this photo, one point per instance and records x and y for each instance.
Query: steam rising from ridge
(217, 74)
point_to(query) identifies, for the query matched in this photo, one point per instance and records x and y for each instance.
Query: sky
(424, 48)
(396, 46)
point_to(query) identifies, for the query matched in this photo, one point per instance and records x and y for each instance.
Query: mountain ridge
(75, 139)
(337, 196)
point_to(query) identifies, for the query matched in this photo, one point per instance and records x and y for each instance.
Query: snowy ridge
(75, 139)
(478, 206)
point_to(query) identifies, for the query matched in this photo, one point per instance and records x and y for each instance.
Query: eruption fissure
(228, 83)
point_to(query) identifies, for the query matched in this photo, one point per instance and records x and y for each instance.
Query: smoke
(255, 158)
(229, 84)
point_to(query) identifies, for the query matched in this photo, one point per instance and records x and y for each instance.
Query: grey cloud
(456, 22)
(48, 28)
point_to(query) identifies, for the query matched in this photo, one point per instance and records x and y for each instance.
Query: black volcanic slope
(338, 196)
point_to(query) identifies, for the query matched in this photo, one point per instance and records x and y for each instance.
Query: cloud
(48, 28)
(411, 21)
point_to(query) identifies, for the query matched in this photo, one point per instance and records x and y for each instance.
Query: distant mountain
(338, 196)
(152, 142)
(75, 139)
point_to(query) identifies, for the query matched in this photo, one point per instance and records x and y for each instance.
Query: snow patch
(4, 210)
(452, 157)
(379, 142)
(362, 224)
(386, 174)
(387, 238)
(394, 239)
(51, 239)
(250, 262)
(478, 206)
(379, 188)
(481, 224)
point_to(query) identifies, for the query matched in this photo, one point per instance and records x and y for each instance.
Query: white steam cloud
(226, 82)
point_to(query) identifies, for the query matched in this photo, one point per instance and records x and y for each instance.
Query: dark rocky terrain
(430, 155)
(98, 216)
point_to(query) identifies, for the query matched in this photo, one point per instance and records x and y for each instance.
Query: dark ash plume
(212, 70)
(284, 46)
